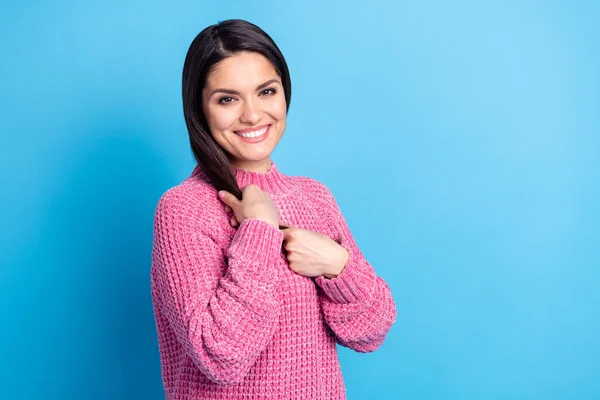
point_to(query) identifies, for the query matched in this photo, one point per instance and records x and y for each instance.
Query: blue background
(461, 140)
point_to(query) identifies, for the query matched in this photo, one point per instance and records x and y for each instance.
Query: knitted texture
(233, 321)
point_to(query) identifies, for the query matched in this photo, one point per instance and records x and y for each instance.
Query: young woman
(252, 288)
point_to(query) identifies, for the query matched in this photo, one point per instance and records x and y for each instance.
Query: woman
(253, 287)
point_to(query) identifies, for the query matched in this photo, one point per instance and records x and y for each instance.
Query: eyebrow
(231, 91)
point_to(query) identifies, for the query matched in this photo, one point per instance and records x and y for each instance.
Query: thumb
(229, 199)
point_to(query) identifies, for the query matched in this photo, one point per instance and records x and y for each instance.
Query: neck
(271, 181)
(262, 166)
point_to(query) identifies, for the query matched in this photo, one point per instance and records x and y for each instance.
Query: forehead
(241, 70)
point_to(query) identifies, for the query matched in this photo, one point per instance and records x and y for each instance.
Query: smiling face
(244, 105)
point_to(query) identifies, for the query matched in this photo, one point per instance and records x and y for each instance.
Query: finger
(290, 253)
(289, 245)
(229, 199)
(228, 209)
(287, 233)
(233, 221)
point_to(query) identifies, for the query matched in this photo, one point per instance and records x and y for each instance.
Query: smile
(255, 135)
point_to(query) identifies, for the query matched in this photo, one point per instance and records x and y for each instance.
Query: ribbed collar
(273, 181)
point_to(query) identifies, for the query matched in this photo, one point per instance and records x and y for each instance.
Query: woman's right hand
(254, 204)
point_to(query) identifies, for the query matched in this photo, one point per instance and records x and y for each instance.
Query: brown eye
(225, 100)
(268, 92)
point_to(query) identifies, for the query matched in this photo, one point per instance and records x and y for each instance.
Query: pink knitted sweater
(233, 321)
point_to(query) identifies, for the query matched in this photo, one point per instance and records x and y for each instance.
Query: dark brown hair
(211, 46)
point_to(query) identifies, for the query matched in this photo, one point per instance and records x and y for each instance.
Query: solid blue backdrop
(461, 140)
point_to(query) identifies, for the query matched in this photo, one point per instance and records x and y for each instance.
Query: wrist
(269, 221)
(336, 270)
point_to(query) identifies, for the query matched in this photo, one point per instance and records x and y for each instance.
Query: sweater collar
(273, 181)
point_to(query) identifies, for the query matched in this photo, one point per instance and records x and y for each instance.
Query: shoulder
(193, 202)
(316, 190)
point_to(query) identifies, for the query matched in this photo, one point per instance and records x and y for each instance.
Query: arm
(223, 313)
(357, 305)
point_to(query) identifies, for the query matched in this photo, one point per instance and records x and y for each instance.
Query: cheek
(220, 118)
(277, 111)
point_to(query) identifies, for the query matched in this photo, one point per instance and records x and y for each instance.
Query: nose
(250, 112)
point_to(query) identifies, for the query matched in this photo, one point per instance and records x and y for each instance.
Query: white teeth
(254, 134)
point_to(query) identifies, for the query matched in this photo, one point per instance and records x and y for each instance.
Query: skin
(250, 107)
(245, 91)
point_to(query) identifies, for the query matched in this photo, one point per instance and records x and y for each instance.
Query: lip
(254, 140)
(252, 129)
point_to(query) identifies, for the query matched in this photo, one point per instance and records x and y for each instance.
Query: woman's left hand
(312, 254)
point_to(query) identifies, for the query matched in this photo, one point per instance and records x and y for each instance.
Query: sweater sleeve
(357, 304)
(221, 307)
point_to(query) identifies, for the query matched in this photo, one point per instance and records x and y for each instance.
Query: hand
(312, 254)
(254, 204)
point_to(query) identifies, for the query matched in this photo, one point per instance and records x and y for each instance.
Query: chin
(255, 157)
(256, 154)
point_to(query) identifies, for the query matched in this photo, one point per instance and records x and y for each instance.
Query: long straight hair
(211, 46)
